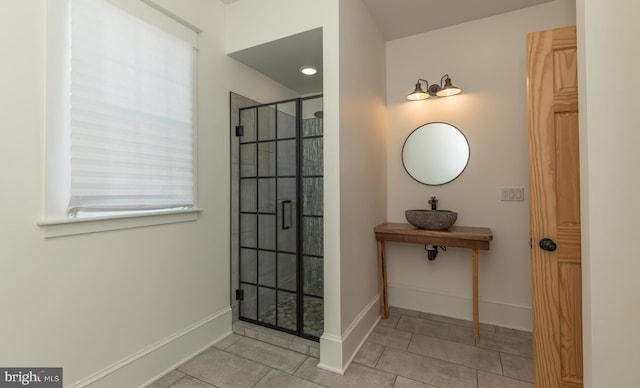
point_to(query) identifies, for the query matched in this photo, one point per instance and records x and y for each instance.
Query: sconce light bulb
(448, 92)
(448, 89)
(418, 94)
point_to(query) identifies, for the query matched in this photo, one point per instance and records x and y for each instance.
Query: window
(121, 117)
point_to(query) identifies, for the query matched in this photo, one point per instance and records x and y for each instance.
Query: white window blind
(132, 112)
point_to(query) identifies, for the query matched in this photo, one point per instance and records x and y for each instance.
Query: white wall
(88, 302)
(609, 61)
(363, 175)
(354, 180)
(487, 59)
(249, 27)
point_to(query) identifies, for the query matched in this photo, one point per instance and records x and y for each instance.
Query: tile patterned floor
(409, 350)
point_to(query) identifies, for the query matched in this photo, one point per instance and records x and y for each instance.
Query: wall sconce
(434, 89)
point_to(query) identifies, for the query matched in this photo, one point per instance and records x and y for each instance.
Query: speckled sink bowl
(431, 219)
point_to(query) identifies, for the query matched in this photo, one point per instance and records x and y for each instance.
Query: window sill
(69, 227)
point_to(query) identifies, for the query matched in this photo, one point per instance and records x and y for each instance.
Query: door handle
(284, 203)
(548, 244)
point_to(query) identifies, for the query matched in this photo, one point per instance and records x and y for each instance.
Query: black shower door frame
(276, 312)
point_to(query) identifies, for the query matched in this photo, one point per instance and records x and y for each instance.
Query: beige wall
(87, 302)
(487, 59)
(608, 70)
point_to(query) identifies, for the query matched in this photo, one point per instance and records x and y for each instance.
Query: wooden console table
(456, 236)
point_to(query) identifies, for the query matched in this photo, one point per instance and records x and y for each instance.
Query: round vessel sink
(431, 219)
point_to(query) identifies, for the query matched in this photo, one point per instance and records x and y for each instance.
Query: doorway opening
(278, 184)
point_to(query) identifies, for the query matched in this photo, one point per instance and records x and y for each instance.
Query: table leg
(382, 271)
(476, 318)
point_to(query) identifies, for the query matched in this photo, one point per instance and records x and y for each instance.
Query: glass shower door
(281, 216)
(268, 215)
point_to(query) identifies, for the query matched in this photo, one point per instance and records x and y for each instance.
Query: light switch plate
(512, 193)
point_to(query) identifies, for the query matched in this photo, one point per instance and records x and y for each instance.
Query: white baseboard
(331, 353)
(153, 362)
(337, 352)
(491, 312)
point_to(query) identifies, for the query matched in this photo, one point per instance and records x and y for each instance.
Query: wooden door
(554, 180)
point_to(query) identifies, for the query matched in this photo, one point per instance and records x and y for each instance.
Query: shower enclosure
(280, 236)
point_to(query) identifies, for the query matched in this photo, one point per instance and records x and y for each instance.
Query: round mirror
(435, 153)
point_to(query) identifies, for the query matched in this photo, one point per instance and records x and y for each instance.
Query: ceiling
(281, 59)
(400, 18)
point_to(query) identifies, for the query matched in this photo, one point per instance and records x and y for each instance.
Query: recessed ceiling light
(308, 70)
